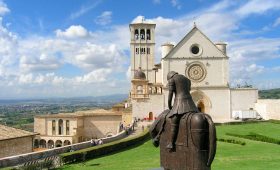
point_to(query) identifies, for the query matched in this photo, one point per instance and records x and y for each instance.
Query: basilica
(204, 62)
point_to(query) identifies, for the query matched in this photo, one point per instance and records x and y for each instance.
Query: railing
(140, 95)
(40, 156)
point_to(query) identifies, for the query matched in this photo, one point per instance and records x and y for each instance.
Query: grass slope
(253, 156)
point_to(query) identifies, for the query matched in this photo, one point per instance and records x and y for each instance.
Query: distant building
(204, 62)
(15, 141)
(68, 128)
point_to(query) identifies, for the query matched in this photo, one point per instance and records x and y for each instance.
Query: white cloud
(84, 9)
(276, 22)
(74, 31)
(42, 63)
(104, 19)
(176, 3)
(258, 7)
(128, 73)
(25, 78)
(92, 56)
(3, 8)
(98, 75)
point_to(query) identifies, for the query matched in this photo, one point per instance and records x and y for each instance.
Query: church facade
(205, 63)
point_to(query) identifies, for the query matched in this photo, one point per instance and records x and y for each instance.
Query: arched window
(42, 143)
(148, 34)
(60, 127)
(50, 144)
(143, 51)
(142, 34)
(139, 89)
(137, 50)
(36, 143)
(58, 143)
(53, 127)
(66, 142)
(136, 34)
(150, 90)
(148, 50)
(67, 127)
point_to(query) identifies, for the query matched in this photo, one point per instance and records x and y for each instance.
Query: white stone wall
(243, 98)
(101, 126)
(142, 108)
(268, 108)
(16, 146)
(216, 71)
(220, 103)
(40, 125)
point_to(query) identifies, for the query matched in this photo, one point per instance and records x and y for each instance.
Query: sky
(70, 48)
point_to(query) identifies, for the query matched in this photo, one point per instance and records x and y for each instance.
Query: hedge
(241, 123)
(105, 149)
(274, 121)
(233, 141)
(256, 137)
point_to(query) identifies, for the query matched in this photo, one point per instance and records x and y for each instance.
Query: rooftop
(7, 132)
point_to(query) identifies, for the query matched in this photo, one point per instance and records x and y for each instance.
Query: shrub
(256, 137)
(241, 123)
(274, 121)
(233, 141)
(97, 151)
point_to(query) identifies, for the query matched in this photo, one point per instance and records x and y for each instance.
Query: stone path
(139, 129)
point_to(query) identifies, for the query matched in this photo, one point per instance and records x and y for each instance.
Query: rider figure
(183, 103)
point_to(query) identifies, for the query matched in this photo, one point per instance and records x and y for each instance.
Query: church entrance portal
(151, 116)
(201, 107)
(202, 101)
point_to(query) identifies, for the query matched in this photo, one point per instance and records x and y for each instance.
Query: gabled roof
(7, 132)
(187, 36)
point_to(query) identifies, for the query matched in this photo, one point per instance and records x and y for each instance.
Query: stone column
(57, 126)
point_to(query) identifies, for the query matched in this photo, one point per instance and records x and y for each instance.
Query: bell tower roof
(139, 74)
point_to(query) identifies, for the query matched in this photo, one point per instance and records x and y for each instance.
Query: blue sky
(66, 48)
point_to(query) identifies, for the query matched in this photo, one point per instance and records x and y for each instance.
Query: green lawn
(253, 156)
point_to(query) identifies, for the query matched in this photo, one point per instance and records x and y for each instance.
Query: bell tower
(142, 47)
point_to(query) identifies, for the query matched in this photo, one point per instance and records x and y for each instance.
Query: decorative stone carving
(196, 72)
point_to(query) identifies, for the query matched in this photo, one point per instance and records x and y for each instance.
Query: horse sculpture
(195, 144)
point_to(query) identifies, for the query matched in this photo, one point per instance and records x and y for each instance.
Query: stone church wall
(243, 98)
(268, 108)
(16, 146)
(40, 125)
(142, 108)
(101, 126)
(212, 67)
(220, 103)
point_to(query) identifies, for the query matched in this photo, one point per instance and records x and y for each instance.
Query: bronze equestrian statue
(187, 137)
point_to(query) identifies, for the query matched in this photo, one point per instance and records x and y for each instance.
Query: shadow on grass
(94, 164)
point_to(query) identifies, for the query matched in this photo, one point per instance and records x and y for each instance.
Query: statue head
(171, 74)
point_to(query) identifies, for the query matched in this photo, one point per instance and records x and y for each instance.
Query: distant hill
(73, 100)
(269, 94)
